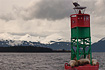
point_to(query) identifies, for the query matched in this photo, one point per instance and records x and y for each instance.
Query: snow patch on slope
(53, 37)
(15, 43)
(28, 37)
(103, 39)
(6, 36)
(96, 38)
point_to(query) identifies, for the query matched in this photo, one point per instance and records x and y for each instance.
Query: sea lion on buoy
(94, 62)
(80, 62)
(83, 62)
(72, 63)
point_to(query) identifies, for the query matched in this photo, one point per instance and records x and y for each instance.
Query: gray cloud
(44, 9)
(51, 10)
(54, 9)
(7, 17)
(59, 9)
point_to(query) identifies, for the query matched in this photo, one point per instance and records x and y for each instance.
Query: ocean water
(40, 61)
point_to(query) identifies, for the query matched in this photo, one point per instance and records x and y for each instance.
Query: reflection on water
(40, 61)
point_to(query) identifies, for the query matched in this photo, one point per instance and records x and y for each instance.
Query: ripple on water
(40, 61)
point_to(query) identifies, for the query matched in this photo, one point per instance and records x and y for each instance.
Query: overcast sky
(48, 17)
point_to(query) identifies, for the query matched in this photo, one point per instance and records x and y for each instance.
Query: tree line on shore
(28, 49)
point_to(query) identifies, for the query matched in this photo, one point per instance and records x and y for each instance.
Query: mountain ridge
(54, 45)
(54, 42)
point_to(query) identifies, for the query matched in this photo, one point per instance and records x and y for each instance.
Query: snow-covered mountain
(99, 46)
(54, 45)
(7, 43)
(28, 37)
(54, 41)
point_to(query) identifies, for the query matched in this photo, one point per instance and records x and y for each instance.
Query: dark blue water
(40, 61)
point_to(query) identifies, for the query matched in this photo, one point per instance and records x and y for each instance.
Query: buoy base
(85, 67)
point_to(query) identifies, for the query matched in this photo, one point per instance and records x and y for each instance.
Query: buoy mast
(80, 34)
